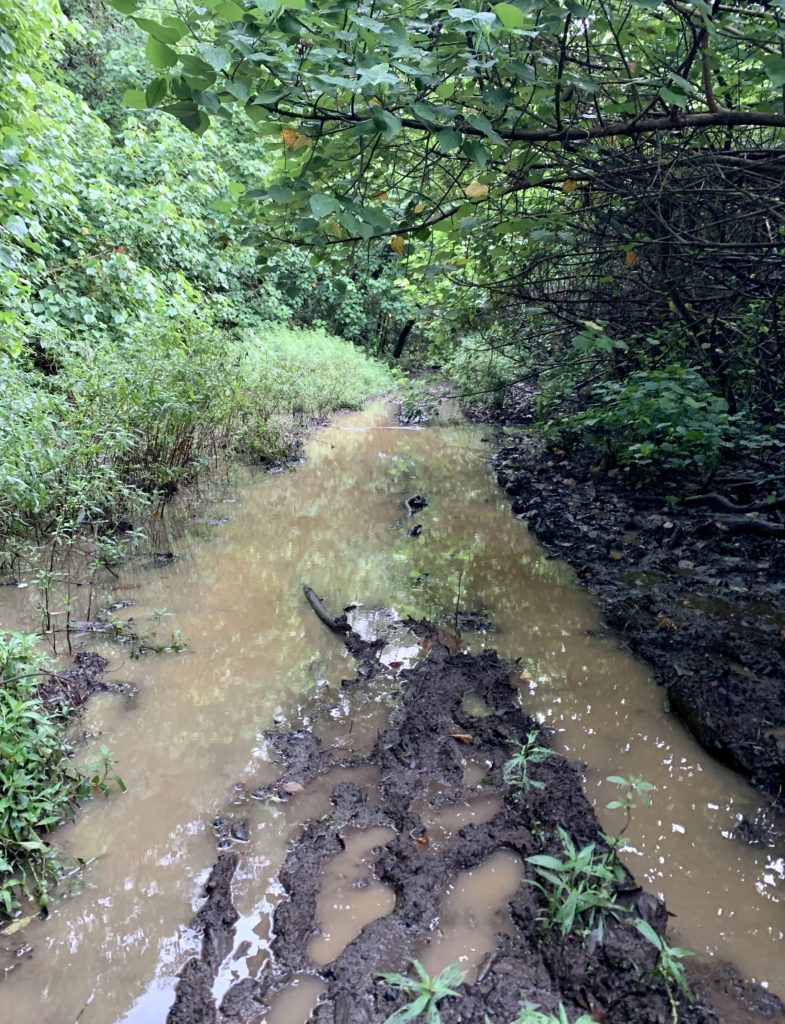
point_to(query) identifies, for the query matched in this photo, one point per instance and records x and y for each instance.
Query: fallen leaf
(475, 189)
(615, 554)
(666, 623)
(292, 139)
(462, 737)
(423, 840)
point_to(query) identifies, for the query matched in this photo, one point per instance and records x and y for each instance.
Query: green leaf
(775, 69)
(230, 11)
(171, 33)
(155, 92)
(379, 74)
(649, 933)
(509, 15)
(388, 124)
(482, 124)
(449, 140)
(218, 57)
(159, 54)
(676, 99)
(475, 151)
(323, 206)
(135, 99)
(410, 1012)
(124, 6)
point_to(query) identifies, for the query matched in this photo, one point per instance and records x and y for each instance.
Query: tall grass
(135, 416)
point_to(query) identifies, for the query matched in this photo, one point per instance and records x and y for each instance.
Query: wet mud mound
(696, 591)
(434, 763)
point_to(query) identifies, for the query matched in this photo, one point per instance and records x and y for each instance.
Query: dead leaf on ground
(462, 737)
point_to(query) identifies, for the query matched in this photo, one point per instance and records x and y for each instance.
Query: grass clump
(39, 786)
(425, 993)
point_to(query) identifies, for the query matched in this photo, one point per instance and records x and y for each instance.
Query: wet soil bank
(697, 591)
(422, 758)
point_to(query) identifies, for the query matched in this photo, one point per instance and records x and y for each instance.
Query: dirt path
(701, 600)
(423, 759)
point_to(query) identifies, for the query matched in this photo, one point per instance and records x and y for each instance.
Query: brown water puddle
(295, 1002)
(350, 897)
(110, 952)
(473, 912)
(442, 825)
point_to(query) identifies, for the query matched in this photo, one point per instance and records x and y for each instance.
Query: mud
(69, 688)
(435, 755)
(698, 595)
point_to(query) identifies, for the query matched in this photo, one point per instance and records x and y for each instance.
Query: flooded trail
(111, 950)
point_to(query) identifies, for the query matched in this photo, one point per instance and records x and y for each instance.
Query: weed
(39, 786)
(668, 965)
(635, 789)
(425, 993)
(528, 753)
(580, 885)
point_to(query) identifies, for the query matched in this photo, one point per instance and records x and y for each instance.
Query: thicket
(583, 197)
(141, 333)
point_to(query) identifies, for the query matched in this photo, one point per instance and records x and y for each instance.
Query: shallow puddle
(350, 896)
(473, 912)
(111, 949)
(295, 1002)
(442, 825)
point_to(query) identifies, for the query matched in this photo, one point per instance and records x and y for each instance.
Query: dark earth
(425, 746)
(694, 589)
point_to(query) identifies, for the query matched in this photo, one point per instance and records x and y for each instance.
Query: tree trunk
(398, 350)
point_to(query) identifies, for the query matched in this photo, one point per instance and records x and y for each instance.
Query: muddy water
(111, 950)
(473, 912)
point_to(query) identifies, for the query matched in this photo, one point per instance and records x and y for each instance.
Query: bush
(655, 421)
(483, 373)
(39, 786)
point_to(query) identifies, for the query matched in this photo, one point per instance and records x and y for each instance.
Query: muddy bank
(433, 756)
(695, 591)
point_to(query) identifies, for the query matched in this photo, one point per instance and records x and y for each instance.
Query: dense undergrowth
(140, 340)
(141, 336)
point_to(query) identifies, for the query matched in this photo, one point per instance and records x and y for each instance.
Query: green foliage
(635, 792)
(39, 786)
(669, 966)
(141, 335)
(655, 421)
(579, 886)
(483, 371)
(424, 992)
(527, 753)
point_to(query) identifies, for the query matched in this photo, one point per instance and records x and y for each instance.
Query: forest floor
(696, 591)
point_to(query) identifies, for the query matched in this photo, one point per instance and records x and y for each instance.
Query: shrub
(655, 421)
(39, 786)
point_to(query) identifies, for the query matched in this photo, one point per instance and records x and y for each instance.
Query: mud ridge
(700, 600)
(422, 759)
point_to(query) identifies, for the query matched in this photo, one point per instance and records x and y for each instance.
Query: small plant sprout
(530, 1014)
(527, 753)
(635, 792)
(579, 886)
(668, 965)
(425, 993)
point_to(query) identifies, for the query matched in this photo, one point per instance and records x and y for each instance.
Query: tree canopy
(396, 117)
